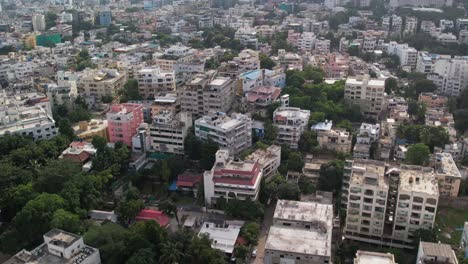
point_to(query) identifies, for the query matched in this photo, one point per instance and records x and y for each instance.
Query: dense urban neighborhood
(234, 131)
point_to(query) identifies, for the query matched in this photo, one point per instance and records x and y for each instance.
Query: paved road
(267, 221)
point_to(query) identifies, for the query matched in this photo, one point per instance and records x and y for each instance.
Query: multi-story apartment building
(167, 102)
(168, 131)
(246, 60)
(151, 81)
(291, 123)
(385, 205)
(38, 22)
(123, 121)
(32, 121)
(411, 25)
(269, 159)
(450, 75)
(247, 37)
(301, 233)
(229, 179)
(322, 46)
(96, 83)
(367, 93)
(447, 174)
(368, 134)
(206, 93)
(419, 3)
(338, 140)
(233, 133)
(289, 60)
(59, 247)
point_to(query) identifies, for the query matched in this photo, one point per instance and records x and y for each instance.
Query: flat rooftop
(446, 165)
(304, 211)
(369, 172)
(418, 179)
(224, 237)
(439, 250)
(367, 257)
(292, 112)
(300, 241)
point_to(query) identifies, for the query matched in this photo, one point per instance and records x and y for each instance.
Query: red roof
(188, 179)
(149, 214)
(81, 158)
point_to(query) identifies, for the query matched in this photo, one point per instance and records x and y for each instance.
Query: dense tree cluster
(431, 136)
(323, 100)
(203, 151)
(148, 243)
(39, 191)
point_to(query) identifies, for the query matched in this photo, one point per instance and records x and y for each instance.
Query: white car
(254, 253)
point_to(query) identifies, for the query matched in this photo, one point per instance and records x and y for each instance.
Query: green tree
(244, 209)
(331, 176)
(421, 86)
(65, 128)
(251, 232)
(99, 143)
(129, 91)
(12, 199)
(165, 172)
(266, 62)
(142, 256)
(128, 209)
(426, 235)
(391, 85)
(418, 154)
(192, 146)
(308, 141)
(52, 178)
(241, 252)
(109, 238)
(170, 253)
(169, 208)
(295, 161)
(50, 19)
(208, 151)
(34, 219)
(289, 191)
(66, 221)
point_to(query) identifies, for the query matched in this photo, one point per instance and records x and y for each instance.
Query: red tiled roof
(149, 214)
(188, 179)
(81, 158)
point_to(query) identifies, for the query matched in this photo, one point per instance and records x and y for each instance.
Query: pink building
(293, 38)
(123, 121)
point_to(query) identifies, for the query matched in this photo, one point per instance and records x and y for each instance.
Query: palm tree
(170, 253)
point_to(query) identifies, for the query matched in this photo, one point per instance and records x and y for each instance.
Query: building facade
(123, 121)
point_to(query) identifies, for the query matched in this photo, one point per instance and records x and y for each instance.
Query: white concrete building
(301, 233)
(247, 37)
(322, 46)
(464, 240)
(291, 123)
(153, 80)
(224, 236)
(447, 174)
(411, 25)
(168, 131)
(385, 205)
(233, 133)
(450, 75)
(229, 179)
(367, 93)
(38, 21)
(59, 247)
(269, 159)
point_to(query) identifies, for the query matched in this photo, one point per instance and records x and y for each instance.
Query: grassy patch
(449, 221)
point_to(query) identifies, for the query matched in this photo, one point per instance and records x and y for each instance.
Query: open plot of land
(449, 224)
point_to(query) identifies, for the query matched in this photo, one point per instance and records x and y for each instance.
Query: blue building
(105, 18)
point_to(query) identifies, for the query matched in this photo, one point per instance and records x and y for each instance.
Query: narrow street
(267, 221)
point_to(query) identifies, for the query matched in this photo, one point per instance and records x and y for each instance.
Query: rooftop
(367, 257)
(304, 212)
(369, 172)
(224, 236)
(445, 165)
(297, 240)
(438, 250)
(418, 179)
